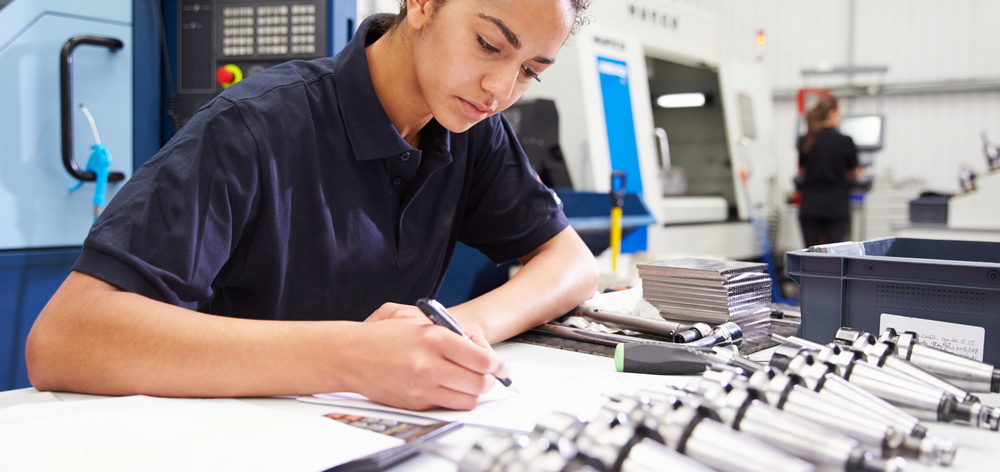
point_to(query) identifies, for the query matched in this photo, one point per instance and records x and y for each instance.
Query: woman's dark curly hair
(579, 5)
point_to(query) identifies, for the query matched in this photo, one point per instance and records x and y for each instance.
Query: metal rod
(93, 126)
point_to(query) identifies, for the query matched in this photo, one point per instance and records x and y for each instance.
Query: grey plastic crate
(852, 284)
(930, 209)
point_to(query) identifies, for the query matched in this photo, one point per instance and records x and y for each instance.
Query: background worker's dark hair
(814, 117)
(579, 5)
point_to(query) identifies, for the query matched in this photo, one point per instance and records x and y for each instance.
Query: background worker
(276, 244)
(828, 162)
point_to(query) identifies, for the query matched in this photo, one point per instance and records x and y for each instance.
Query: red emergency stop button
(228, 75)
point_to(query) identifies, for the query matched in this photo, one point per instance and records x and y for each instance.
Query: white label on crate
(964, 340)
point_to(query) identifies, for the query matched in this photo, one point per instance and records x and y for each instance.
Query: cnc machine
(605, 84)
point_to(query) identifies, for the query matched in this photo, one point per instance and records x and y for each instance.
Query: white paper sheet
(964, 340)
(37, 397)
(543, 390)
(158, 434)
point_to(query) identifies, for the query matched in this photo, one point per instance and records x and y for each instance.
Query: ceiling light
(681, 100)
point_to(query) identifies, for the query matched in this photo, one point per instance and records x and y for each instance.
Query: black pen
(440, 316)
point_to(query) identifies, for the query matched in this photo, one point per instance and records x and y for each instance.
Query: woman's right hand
(413, 364)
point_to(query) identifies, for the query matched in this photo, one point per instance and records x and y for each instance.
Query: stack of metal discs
(707, 290)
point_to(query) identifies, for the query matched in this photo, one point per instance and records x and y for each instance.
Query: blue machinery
(101, 51)
(107, 54)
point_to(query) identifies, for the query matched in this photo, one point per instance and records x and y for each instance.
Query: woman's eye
(528, 73)
(487, 47)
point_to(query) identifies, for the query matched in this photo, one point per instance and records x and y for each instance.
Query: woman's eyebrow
(507, 33)
(511, 37)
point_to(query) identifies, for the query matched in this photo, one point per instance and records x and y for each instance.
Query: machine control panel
(221, 42)
(269, 30)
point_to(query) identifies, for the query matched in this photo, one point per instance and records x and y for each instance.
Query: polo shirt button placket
(397, 181)
(404, 157)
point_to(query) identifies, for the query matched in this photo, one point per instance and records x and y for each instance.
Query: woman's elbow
(40, 359)
(587, 276)
(591, 277)
(50, 348)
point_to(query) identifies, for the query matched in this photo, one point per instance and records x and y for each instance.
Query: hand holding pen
(440, 316)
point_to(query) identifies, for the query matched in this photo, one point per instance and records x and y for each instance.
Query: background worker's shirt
(825, 187)
(291, 196)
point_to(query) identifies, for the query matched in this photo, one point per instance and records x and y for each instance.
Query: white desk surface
(978, 450)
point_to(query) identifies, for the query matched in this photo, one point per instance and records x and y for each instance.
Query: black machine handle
(617, 193)
(66, 104)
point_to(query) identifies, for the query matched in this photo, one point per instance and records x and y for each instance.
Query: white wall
(368, 7)
(927, 136)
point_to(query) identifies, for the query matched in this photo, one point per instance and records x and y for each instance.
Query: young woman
(276, 244)
(828, 161)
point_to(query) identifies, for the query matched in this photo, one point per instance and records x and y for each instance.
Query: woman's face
(475, 58)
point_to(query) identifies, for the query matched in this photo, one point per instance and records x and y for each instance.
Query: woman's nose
(500, 82)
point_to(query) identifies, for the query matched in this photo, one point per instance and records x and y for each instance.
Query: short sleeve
(172, 229)
(509, 212)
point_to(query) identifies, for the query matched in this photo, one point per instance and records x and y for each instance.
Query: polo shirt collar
(369, 130)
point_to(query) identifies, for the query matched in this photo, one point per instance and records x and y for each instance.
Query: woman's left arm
(556, 277)
(854, 168)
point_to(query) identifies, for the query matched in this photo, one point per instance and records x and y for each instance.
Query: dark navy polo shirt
(291, 196)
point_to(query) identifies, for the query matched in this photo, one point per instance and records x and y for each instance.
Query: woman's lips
(473, 111)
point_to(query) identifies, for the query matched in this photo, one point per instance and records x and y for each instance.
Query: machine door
(36, 205)
(749, 118)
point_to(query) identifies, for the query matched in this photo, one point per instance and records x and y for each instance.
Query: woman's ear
(418, 12)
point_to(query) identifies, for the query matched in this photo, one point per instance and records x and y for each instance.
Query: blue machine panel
(472, 274)
(617, 100)
(27, 280)
(36, 206)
